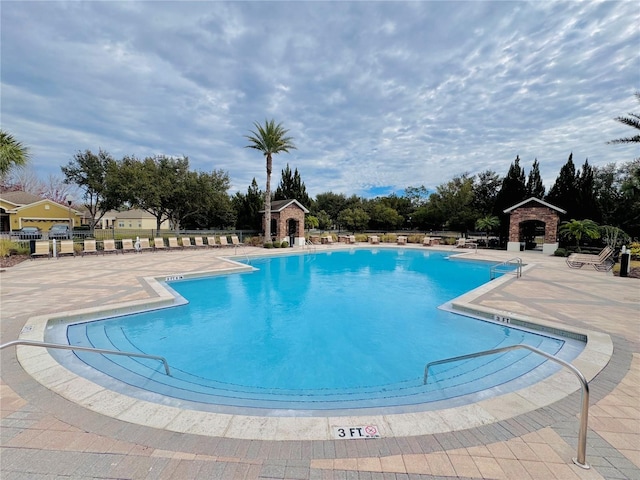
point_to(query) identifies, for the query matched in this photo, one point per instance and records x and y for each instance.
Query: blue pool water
(326, 331)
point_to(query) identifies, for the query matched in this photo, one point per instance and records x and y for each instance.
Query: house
(287, 221)
(22, 209)
(131, 219)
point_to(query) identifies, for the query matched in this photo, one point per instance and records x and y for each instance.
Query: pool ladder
(580, 459)
(61, 346)
(507, 267)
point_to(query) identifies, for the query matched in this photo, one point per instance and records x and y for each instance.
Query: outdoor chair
(198, 242)
(402, 240)
(89, 247)
(66, 248)
(211, 242)
(466, 243)
(235, 241)
(109, 246)
(374, 239)
(223, 241)
(127, 245)
(42, 249)
(143, 244)
(601, 262)
(173, 243)
(328, 239)
(158, 244)
(186, 242)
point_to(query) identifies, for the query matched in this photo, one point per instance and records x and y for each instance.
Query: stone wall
(543, 214)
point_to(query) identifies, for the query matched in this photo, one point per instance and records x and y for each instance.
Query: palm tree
(12, 153)
(579, 228)
(632, 121)
(487, 224)
(269, 139)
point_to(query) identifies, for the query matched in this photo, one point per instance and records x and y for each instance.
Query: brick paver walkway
(43, 435)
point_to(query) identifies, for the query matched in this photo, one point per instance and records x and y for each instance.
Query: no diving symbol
(371, 430)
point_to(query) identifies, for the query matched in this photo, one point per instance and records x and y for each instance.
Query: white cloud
(375, 94)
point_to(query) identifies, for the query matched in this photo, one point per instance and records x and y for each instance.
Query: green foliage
(512, 191)
(247, 207)
(311, 222)
(292, 187)
(6, 247)
(561, 252)
(270, 139)
(383, 217)
(613, 236)
(275, 244)
(284, 244)
(635, 250)
(577, 229)
(12, 153)
(564, 192)
(488, 223)
(268, 245)
(452, 204)
(633, 121)
(354, 219)
(535, 187)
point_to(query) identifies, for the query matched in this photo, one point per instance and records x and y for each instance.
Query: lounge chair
(198, 242)
(42, 249)
(402, 240)
(127, 245)
(143, 244)
(351, 239)
(602, 262)
(374, 239)
(158, 244)
(466, 243)
(173, 243)
(328, 239)
(186, 242)
(211, 242)
(109, 246)
(89, 247)
(223, 241)
(66, 248)
(235, 241)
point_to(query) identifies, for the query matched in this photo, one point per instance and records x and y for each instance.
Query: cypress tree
(535, 187)
(564, 192)
(292, 187)
(586, 193)
(512, 192)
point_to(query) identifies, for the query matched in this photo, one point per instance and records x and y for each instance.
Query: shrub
(268, 245)
(253, 241)
(415, 238)
(5, 247)
(561, 252)
(284, 244)
(362, 237)
(635, 250)
(389, 238)
(276, 244)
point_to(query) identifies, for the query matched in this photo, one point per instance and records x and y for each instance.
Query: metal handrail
(511, 261)
(61, 346)
(580, 460)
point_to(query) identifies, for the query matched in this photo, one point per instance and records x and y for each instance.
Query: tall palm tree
(270, 139)
(12, 153)
(633, 121)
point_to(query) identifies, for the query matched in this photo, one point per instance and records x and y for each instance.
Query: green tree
(512, 191)
(204, 202)
(292, 187)
(578, 229)
(451, 204)
(486, 186)
(383, 217)
(270, 139)
(324, 220)
(12, 153)
(564, 192)
(247, 207)
(487, 224)
(96, 176)
(331, 203)
(355, 219)
(585, 180)
(535, 187)
(633, 121)
(311, 222)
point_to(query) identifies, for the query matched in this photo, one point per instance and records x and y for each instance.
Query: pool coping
(40, 365)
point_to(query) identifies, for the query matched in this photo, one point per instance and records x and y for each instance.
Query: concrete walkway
(44, 435)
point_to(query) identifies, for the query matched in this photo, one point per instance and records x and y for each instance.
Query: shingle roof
(20, 198)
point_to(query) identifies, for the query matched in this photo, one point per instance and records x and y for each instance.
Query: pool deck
(46, 435)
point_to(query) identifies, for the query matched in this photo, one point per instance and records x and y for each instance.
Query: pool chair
(158, 244)
(402, 240)
(466, 243)
(173, 243)
(198, 242)
(601, 262)
(328, 239)
(143, 244)
(66, 248)
(109, 246)
(89, 247)
(351, 239)
(186, 242)
(127, 245)
(42, 249)
(374, 240)
(223, 241)
(211, 242)
(235, 241)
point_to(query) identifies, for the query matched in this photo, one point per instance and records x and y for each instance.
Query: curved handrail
(580, 460)
(61, 346)
(496, 268)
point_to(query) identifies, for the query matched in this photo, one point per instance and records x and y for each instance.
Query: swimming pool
(329, 331)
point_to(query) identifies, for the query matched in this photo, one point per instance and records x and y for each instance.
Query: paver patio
(44, 435)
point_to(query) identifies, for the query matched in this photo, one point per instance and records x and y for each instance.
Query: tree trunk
(267, 202)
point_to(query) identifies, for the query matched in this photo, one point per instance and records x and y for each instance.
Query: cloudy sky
(377, 95)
